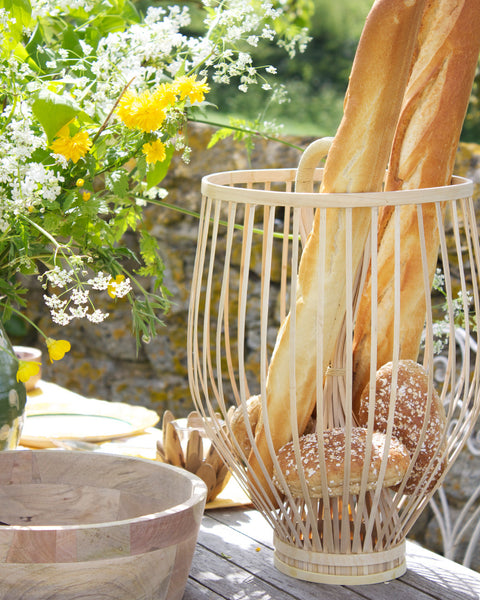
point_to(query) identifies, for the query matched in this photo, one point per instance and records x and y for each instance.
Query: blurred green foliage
(316, 80)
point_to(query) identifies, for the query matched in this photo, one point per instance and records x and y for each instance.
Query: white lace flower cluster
(24, 182)
(157, 48)
(74, 300)
(456, 313)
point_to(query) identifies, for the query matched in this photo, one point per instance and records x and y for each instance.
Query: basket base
(340, 569)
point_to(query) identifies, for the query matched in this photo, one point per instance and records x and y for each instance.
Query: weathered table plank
(440, 577)
(196, 591)
(234, 560)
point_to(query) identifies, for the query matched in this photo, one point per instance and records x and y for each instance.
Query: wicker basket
(244, 284)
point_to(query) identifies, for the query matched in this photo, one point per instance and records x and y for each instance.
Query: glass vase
(13, 396)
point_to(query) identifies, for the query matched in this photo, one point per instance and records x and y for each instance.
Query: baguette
(423, 155)
(356, 162)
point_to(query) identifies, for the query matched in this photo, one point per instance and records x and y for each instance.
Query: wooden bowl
(88, 524)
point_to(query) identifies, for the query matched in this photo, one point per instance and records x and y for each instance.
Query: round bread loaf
(334, 449)
(239, 426)
(409, 417)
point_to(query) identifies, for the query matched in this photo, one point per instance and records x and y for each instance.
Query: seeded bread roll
(410, 418)
(356, 163)
(334, 449)
(423, 155)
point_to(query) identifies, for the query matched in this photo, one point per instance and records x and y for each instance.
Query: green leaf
(157, 172)
(54, 111)
(220, 134)
(150, 251)
(118, 183)
(71, 42)
(21, 13)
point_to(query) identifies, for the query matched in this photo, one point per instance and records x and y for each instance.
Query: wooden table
(234, 561)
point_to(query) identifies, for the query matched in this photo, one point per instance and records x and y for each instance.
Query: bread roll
(334, 450)
(356, 163)
(240, 427)
(423, 156)
(410, 417)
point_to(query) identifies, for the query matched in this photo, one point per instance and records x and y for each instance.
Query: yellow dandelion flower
(189, 88)
(27, 369)
(80, 182)
(165, 95)
(112, 286)
(86, 196)
(72, 147)
(57, 348)
(154, 151)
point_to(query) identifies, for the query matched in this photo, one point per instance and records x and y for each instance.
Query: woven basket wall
(352, 537)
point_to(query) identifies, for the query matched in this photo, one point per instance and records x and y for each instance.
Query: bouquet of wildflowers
(95, 99)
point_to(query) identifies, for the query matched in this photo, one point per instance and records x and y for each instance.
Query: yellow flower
(127, 108)
(80, 183)
(57, 348)
(71, 147)
(165, 95)
(112, 286)
(27, 369)
(189, 88)
(141, 111)
(86, 196)
(154, 151)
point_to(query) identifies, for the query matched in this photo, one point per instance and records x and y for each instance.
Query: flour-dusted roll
(419, 420)
(356, 163)
(423, 156)
(335, 443)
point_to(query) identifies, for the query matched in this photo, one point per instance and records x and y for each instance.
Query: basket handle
(309, 160)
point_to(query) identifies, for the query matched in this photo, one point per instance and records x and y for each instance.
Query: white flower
(78, 312)
(120, 289)
(60, 317)
(79, 296)
(59, 277)
(97, 316)
(54, 302)
(100, 282)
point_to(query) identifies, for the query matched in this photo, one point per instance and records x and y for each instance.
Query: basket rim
(221, 186)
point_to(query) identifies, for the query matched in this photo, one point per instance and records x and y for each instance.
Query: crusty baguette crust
(423, 155)
(356, 163)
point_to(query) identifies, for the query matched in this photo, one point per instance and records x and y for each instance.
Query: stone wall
(103, 361)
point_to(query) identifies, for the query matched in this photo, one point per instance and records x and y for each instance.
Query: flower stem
(246, 130)
(196, 214)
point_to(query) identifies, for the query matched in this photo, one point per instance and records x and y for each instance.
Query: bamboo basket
(244, 284)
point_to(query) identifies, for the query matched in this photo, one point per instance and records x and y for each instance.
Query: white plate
(49, 417)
